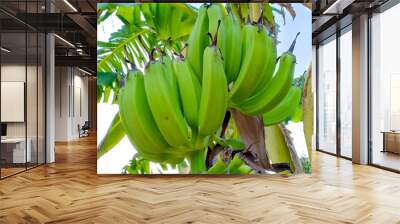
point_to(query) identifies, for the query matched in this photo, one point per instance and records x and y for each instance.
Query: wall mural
(204, 88)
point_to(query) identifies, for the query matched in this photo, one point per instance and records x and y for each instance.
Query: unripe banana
(253, 64)
(198, 41)
(286, 108)
(171, 77)
(274, 92)
(230, 44)
(164, 104)
(214, 15)
(270, 63)
(190, 91)
(137, 119)
(214, 95)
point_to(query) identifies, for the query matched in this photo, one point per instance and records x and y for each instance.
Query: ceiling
(74, 22)
(331, 15)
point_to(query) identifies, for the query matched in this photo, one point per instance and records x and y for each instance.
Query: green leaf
(276, 147)
(129, 14)
(104, 10)
(236, 144)
(138, 165)
(269, 16)
(106, 78)
(308, 112)
(113, 136)
(107, 92)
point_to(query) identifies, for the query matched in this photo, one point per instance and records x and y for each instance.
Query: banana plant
(206, 118)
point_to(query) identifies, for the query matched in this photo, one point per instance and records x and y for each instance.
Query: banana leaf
(113, 136)
(251, 131)
(276, 146)
(308, 112)
(295, 159)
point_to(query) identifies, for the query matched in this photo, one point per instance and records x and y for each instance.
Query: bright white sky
(116, 159)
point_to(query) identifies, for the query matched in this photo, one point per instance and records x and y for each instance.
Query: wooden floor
(70, 191)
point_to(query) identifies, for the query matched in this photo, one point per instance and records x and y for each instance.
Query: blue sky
(302, 24)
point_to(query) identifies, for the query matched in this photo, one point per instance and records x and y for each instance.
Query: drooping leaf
(276, 146)
(308, 112)
(104, 11)
(294, 157)
(114, 135)
(251, 129)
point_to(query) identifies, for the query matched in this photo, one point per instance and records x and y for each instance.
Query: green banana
(165, 105)
(270, 64)
(272, 93)
(254, 54)
(198, 41)
(171, 77)
(214, 94)
(230, 37)
(137, 120)
(214, 15)
(190, 91)
(285, 109)
(114, 135)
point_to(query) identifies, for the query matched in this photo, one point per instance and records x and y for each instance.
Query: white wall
(16, 73)
(71, 94)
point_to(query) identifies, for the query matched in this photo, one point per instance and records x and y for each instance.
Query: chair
(84, 130)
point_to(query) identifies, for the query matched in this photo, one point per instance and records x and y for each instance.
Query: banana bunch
(167, 114)
(139, 123)
(249, 58)
(170, 111)
(270, 91)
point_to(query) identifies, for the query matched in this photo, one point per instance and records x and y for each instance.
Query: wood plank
(70, 191)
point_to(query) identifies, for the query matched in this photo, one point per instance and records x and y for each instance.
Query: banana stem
(197, 162)
(215, 40)
(293, 43)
